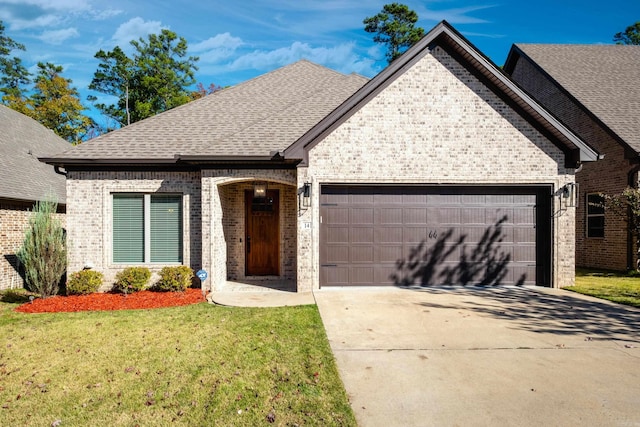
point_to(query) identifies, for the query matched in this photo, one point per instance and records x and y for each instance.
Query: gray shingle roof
(603, 78)
(254, 118)
(22, 176)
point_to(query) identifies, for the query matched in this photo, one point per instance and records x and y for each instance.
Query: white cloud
(216, 48)
(58, 36)
(39, 22)
(454, 16)
(101, 15)
(58, 5)
(134, 29)
(341, 57)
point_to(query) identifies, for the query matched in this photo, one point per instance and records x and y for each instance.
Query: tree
(13, 75)
(201, 91)
(54, 103)
(155, 79)
(626, 205)
(395, 27)
(43, 253)
(631, 35)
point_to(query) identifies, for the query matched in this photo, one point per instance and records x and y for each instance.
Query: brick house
(23, 181)
(438, 170)
(595, 91)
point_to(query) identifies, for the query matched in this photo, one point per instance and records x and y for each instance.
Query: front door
(262, 239)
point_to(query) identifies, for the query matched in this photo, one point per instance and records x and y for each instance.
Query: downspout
(632, 181)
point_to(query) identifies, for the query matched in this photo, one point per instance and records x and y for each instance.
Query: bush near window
(174, 279)
(132, 279)
(84, 282)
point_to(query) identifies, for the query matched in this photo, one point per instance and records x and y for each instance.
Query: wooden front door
(262, 237)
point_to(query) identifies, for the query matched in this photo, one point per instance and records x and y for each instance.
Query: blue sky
(240, 39)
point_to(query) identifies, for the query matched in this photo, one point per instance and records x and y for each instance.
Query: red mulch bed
(112, 301)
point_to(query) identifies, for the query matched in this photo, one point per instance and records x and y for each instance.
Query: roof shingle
(603, 78)
(254, 118)
(22, 176)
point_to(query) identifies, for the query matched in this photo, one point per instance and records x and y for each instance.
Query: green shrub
(84, 282)
(174, 279)
(132, 279)
(43, 253)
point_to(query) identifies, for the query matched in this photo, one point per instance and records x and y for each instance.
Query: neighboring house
(595, 91)
(438, 170)
(23, 181)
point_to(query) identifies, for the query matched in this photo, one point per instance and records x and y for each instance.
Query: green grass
(613, 286)
(193, 365)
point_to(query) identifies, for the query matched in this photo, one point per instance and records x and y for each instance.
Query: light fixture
(306, 194)
(259, 190)
(570, 194)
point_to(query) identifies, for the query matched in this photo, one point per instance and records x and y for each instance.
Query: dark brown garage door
(408, 236)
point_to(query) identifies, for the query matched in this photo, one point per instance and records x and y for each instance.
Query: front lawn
(192, 365)
(616, 287)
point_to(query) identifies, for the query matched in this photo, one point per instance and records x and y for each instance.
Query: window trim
(146, 206)
(589, 216)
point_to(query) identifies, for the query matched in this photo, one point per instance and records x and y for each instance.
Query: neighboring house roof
(605, 79)
(254, 119)
(483, 68)
(22, 176)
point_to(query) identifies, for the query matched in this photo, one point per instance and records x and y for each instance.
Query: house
(23, 181)
(595, 91)
(438, 170)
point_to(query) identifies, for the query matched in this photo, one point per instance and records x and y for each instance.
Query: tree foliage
(626, 205)
(54, 103)
(395, 27)
(13, 75)
(154, 79)
(631, 35)
(43, 253)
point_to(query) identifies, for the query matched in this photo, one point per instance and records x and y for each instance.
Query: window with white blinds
(147, 228)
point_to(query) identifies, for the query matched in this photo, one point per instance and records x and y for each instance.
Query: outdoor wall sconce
(259, 190)
(304, 196)
(570, 194)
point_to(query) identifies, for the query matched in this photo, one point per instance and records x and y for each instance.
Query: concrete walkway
(465, 357)
(270, 298)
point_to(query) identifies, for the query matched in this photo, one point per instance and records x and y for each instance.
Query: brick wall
(90, 210)
(609, 175)
(436, 124)
(14, 220)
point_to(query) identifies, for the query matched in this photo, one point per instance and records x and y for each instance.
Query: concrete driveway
(494, 357)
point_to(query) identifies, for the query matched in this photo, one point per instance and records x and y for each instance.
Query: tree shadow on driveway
(546, 311)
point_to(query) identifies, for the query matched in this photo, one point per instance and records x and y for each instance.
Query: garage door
(434, 235)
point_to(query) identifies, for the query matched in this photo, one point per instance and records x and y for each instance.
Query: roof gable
(602, 80)
(457, 46)
(22, 141)
(247, 121)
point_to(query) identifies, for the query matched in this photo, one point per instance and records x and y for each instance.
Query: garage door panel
(388, 254)
(473, 215)
(429, 235)
(388, 235)
(337, 235)
(337, 216)
(361, 235)
(389, 216)
(361, 254)
(336, 255)
(335, 275)
(444, 216)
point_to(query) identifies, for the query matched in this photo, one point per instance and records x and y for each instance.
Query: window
(147, 228)
(595, 215)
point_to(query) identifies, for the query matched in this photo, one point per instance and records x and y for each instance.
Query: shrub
(43, 253)
(132, 279)
(173, 279)
(84, 282)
